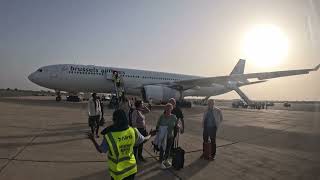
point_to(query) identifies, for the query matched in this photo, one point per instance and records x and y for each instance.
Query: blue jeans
(164, 153)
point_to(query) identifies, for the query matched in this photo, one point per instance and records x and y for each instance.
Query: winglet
(317, 68)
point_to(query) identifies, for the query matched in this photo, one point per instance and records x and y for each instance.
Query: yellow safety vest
(113, 77)
(121, 160)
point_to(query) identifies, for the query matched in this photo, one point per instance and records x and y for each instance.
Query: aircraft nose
(31, 77)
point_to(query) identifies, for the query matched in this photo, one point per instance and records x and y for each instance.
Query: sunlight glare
(266, 45)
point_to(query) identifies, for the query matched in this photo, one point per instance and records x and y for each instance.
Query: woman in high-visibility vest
(118, 142)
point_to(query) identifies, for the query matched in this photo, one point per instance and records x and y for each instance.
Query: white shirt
(92, 109)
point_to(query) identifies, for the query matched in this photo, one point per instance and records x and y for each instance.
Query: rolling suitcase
(207, 150)
(178, 156)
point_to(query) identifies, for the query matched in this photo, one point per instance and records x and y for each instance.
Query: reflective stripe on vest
(116, 161)
(114, 146)
(124, 170)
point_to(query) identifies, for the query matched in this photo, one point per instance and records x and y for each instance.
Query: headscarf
(120, 122)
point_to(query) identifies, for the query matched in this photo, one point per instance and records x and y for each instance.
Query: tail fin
(239, 68)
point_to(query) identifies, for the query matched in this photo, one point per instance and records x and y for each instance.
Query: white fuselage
(88, 78)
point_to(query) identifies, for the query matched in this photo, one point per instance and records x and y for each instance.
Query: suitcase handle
(176, 143)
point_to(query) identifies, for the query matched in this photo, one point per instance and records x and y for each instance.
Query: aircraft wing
(242, 79)
(276, 74)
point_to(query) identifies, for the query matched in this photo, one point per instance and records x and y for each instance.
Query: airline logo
(92, 69)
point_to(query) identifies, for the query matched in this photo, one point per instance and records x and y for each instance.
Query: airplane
(158, 86)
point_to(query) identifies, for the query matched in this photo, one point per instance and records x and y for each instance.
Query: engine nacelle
(160, 94)
(232, 84)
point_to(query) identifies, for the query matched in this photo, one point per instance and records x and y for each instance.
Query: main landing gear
(58, 98)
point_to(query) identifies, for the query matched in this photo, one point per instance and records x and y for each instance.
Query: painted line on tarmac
(18, 153)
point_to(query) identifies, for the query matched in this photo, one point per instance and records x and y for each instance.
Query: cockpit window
(40, 70)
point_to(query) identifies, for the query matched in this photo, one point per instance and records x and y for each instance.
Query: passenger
(94, 112)
(131, 110)
(178, 113)
(119, 139)
(139, 122)
(125, 105)
(211, 121)
(168, 122)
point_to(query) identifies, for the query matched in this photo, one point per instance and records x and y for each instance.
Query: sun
(265, 45)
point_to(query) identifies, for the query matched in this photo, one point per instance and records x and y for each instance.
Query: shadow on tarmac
(195, 167)
(94, 176)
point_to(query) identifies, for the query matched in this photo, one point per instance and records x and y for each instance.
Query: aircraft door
(108, 74)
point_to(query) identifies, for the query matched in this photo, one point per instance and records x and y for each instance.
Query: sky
(203, 37)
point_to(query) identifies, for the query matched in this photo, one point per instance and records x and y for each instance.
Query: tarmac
(44, 139)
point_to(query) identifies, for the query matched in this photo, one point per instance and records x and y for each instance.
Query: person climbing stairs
(118, 87)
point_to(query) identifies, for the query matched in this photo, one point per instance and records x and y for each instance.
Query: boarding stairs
(243, 95)
(250, 103)
(118, 91)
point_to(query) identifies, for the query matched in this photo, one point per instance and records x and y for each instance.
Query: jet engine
(159, 94)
